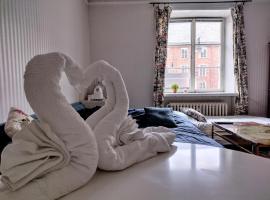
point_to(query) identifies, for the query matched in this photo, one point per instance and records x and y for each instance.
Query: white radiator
(208, 109)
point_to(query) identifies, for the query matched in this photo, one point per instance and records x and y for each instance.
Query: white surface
(200, 13)
(190, 172)
(208, 94)
(239, 118)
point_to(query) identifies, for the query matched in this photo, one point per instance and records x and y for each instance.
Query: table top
(251, 131)
(188, 172)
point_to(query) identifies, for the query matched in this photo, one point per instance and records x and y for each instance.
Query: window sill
(208, 94)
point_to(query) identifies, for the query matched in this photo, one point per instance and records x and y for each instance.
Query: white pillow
(194, 114)
(16, 121)
(205, 127)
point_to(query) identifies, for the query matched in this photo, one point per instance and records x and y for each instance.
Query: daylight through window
(195, 53)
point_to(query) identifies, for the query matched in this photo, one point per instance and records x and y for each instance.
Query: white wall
(124, 36)
(257, 20)
(30, 27)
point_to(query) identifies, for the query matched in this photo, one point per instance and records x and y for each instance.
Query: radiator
(208, 109)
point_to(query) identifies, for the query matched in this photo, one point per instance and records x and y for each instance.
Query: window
(184, 69)
(203, 52)
(200, 43)
(184, 52)
(202, 70)
(202, 85)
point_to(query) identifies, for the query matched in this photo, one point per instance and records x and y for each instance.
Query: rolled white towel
(161, 137)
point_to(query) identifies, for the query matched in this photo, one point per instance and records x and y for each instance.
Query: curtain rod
(202, 2)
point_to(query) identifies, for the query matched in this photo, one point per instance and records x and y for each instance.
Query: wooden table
(244, 135)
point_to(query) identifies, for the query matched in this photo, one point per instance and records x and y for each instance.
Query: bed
(186, 131)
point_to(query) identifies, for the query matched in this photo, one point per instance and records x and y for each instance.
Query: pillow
(156, 117)
(194, 114)
(205, 127)
(158, 110)
(17, 120)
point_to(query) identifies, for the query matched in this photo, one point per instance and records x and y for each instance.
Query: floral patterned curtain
(162, 16)
(240, 61)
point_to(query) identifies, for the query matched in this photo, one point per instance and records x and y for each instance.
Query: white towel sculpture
(61, 153)
(43, 92)
(120, 142)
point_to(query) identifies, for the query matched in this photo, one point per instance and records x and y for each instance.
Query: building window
(184, 52)
(184, 69)
(203, 52)
(202, 85)
(203, 70)
(196, 38)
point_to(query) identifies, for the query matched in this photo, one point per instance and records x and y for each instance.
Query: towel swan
(111, 122)
(43, 92)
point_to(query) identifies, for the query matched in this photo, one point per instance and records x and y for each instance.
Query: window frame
(193, 21)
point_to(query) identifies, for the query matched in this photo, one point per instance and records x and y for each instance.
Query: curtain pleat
(240, 60)
(162, 16)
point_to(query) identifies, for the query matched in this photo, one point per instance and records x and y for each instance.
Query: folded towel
(43, 93)
(120, 142)
(129, 132)
(161, 137)
(35, 151)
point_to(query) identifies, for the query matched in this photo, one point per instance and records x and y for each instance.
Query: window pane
(207, 67)
(208, 32)
(178, 57)
(179, 33)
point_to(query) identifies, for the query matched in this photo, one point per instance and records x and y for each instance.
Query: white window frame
(193, 21)
(184, 53)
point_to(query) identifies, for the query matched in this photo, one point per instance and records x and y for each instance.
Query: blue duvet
(186, 132)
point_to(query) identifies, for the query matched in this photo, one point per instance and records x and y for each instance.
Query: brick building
(207, 67)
